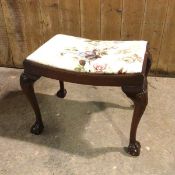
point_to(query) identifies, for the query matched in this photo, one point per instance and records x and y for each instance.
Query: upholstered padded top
(84, 55)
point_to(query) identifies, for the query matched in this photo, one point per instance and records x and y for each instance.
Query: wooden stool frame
(133, 85)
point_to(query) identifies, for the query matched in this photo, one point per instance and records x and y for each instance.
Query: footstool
(91, 62)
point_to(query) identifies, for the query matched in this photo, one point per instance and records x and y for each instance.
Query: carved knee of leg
(24, 81)
(142, 99)
(27, 80)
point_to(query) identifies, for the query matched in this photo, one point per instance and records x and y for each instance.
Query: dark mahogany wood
(139, 96)
(26, 82)
(62, 92)
(95, 79)
(133, 85)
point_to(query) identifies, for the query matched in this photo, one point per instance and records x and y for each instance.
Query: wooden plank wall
(24, 25)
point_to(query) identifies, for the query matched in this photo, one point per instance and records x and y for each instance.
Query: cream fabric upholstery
(84, 55)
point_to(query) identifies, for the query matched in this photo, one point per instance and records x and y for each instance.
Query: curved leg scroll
(26, 82)
(62, 92)
(140, 99)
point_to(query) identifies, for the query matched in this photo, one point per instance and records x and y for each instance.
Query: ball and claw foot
(37, 128)
(61, 93)
(134, 149)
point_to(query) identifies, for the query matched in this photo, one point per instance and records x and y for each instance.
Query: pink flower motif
(99, 68)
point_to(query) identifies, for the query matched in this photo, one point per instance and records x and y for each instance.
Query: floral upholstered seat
(92, 56)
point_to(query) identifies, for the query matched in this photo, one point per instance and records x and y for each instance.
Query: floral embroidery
(79, 68)
(132, 59)
(82, 62)
(85, 55)
(99, 68)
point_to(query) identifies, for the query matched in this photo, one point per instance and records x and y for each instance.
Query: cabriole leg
(26, 82)
(140, 99)
(62, 92)
(139, 95)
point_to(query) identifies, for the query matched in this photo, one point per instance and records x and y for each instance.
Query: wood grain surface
(25, 25)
